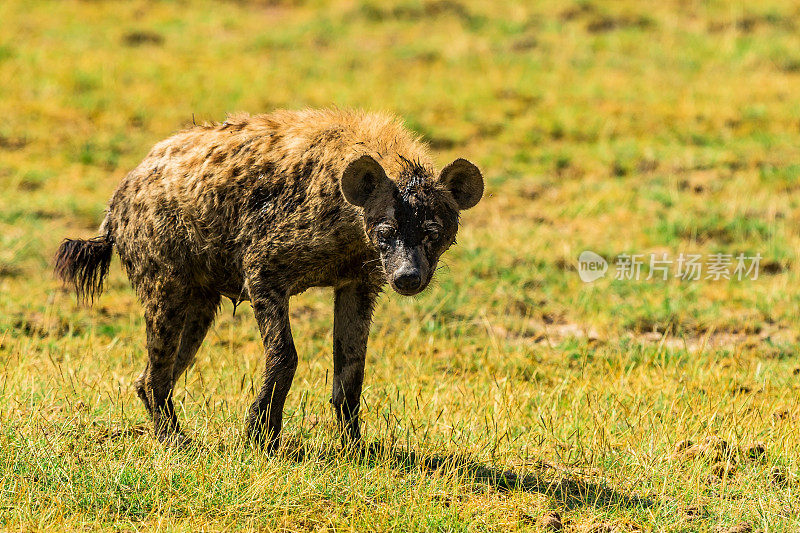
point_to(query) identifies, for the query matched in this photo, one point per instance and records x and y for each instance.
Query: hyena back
(261, 208)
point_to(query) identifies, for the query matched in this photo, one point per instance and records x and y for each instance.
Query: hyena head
(412, 218)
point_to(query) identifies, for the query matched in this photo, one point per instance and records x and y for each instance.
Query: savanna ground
(509, 389)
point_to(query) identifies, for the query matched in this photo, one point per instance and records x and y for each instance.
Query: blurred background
(625, 127)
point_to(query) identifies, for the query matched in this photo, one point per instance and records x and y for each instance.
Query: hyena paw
(175, 439)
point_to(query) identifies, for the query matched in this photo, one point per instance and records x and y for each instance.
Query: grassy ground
(507, 391)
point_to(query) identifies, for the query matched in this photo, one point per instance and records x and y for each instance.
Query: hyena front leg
(353, 305)
(271, 309)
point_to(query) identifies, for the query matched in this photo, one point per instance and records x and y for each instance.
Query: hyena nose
(407, 280)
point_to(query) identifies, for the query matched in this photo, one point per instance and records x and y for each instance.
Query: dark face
(412, 218)
(411, 234)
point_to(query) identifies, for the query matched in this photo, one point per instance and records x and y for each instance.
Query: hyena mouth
(407, 292)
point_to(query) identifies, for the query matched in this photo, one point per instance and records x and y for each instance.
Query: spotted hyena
(261, 208)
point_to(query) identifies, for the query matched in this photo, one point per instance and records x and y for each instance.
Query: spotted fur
(255, 209)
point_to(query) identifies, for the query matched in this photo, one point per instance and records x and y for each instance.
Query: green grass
(507, 390)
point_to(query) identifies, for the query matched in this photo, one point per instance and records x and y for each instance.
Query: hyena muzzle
(262, 208)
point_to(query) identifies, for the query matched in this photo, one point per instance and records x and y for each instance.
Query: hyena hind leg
(164, 320)
(203, 309)
(141, 389)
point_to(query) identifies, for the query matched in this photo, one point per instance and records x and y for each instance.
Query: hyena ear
(464, 181)
(361, 179)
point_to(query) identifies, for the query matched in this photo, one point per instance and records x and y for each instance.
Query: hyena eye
(384, 234)
(432, 234)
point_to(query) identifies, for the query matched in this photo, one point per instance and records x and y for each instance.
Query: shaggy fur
(261, 208)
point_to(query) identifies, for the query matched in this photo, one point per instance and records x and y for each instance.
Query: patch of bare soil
(769, 338)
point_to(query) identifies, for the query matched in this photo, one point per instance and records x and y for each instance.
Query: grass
(509, 389)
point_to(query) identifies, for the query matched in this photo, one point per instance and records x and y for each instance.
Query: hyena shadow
(569, 492)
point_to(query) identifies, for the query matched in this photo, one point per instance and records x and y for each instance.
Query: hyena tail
(84, 264)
